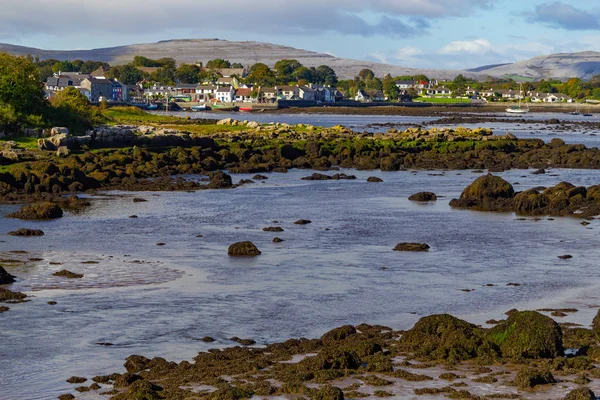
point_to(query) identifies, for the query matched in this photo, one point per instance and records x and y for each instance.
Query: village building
(225, 94)
(243, 96)
(100, 88)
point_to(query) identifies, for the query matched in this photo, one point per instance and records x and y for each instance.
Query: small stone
(76, 379)
(303, 222)
(68, 274)
(411, 247)
(565, 257)
(139, 200)
(278, 240)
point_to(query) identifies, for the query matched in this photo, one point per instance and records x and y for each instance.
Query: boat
(587, 113)
(518, 109)
(200, 107)
(576, 112)
(152, 107)
(246, 109)
(223, 107)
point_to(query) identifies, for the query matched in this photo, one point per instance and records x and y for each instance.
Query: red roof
(244, 92)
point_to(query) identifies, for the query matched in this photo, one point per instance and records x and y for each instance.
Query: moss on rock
(37, 211)
(247, 249)
(531, 377)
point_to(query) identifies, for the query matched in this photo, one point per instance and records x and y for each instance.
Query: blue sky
(414, 33)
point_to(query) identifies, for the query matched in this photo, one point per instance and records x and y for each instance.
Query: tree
(325, 75)
(130, 75)
(260, 74)
(285, 70)
(208, 75)
(421, 77)
(218, 64)
(573, 87)
(366, 74)
(72, 109)
(304, 74)
(62, 66)
(389, 88)
(21, 93)
(237, 65)
(187, 73)
(374, 84)
(164, 76)
(141, 61)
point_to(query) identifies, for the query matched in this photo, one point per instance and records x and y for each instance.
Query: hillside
(247, 53)
(562, 66)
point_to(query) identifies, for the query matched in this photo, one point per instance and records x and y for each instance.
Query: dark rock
(539, 172)
(317, 177)
(4, 309)
(243, 249)
(26, 232)
(52, 303)
(374, 179)
(411, 247)
(161, 244)
(38, 211)
(220, 180)
(142, 389)
(260, 177)
(67, 396)
(139, 200)
(338, 334)
(133, 216)
(565, 257)
(136, 363)
(95, 386)
(277, 240)
(303, 222)
(76, 379)
(68, 274)
(423, 196)
(5, 277)
(530, 377)
(328, 392)
(11, 297)
(207, 339)
(125, 380)
(528, 334)
(243, 342)
(101, 379)
(273, 229)
(487, 193)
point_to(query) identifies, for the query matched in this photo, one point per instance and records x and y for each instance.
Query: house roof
(404, 83)
(226, 89)
(148, 70)
(186, 86)
(99, 81)
(268, 90)
(305, 89)
(206, 87)
(101, 71)
(244, 92)
(375, 93)
(228, 72)
(287, 88)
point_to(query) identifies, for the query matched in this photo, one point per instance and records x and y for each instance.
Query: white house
(439, 91)
(243, 96)
(557, 98)
(288, 92)
(306, 93)
(225, 94)
(205, 92)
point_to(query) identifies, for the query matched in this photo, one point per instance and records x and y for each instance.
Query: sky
(442, 34)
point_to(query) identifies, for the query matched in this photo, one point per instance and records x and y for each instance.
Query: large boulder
(411, 247)
(40, 210)
(423, 196)
(531, 202)
(487, 193)
(338, 334)
(531, 377)
(26, 232)
(5, 277)
(528, 334)
(328, 392)
(220, 180)
(243, 249)
(444, 337)
(10, 296)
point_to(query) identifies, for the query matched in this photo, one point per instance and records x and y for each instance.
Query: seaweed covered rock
(5, 277)
(596, 323)
(444, 337)
(136, 363)
(374, 179)
(140, 389)
(530, 377)
(531, 202)
(423, 197)
(328, 392)
(35, 211)
(10, 296)
(26, 232)
(332, 359)
(411, 247)
(220, 180)
(68, 274)
(528, 334)
(581, 393)
(243, 249)
(486, 193)
(338, 334)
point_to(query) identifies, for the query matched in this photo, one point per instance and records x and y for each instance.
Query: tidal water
(159, 300)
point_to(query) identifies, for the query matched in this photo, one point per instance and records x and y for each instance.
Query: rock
(260, 177)
(243, 342)
(253, 125)
(328, 392)
(539, 171)
(126, 379)
(35, 211)
(528, 334)
(411, 247)
(338, 334)
(220, 180)
(581, 393)
(136, 363)
(11, 297)
(139, 200)
(273, 229)
(207, 339)
(67, 396)
(59, 130)
(76, 379)
(26, 232)
(303, 222)
(142, 389)
(133, 216)
(374, 179)
(596, 323)
(423, 196)
(68, 274)
(487, 193)
(530, 377)
(277, 240)
(3, 309)
(226, 121)
(317, 177)
(5, 277)
(63, 151)
(52, 303)
(243, 249)
(444, 337)
(565, 257)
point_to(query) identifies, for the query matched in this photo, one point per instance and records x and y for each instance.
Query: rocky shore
(528, 353)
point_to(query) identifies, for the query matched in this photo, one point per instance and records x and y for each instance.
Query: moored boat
(200, 107)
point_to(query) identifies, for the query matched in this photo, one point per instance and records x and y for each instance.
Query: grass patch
(441, 100)
(133, 115)
(24, 142)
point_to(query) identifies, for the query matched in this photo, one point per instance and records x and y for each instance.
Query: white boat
(518, 109)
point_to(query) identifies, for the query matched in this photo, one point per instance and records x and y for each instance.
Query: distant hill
(582, 65)
(247, 53)
(486, 67)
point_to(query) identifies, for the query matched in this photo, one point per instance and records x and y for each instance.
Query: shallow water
(158, 300)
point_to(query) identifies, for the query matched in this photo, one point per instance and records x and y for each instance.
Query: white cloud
(274, 17)
(477, 46)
